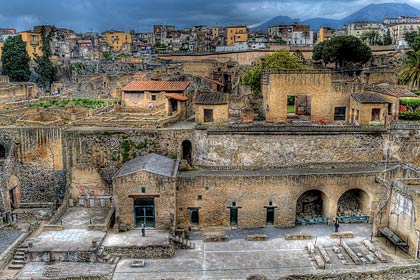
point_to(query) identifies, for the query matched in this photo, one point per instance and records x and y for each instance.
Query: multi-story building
(236, 34)
(288, 33)
(33, 43)
(399, 31)
(118, 41)
(327, 33)
(357, 29)
(401, 19)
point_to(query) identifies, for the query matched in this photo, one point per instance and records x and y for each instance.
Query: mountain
(370, 13)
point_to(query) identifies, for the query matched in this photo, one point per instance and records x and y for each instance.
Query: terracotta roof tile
(156, 86)
(176, 96)
(210, 98)
(391, 91)
(370, 98)
(214, 81)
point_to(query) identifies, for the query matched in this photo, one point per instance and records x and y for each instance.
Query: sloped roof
(214, 81)
(176, 96)
(210, 98)
(392, 91)
(152, 163)
(156, 86)
(372, 98)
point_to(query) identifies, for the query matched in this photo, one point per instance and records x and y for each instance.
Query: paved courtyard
(238, 258)
(7, 237)
(81, 217)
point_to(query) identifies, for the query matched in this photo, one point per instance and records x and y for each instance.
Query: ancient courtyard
(211, 153)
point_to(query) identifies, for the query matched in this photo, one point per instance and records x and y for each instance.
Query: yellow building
(118, 40)
(33, 43)
(236, 34)
(1, 48)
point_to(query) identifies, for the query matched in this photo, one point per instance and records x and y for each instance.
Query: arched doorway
(2, 152)
(353, 206)
(187, 150)
(312, 208)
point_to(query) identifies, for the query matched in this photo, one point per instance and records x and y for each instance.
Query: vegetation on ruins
(90, 103)
(15, 60)
(409, 108)
(281, 59)
(410, 74)
(342, 50)
(46, 71)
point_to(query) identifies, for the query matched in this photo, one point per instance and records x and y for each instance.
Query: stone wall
(212, 192)
(265, 148)
(146, 252)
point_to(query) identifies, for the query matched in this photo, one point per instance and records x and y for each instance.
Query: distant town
(132, 46)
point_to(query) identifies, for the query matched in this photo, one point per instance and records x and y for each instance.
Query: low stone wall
(147, 252)
(106, 225)
(407, 272)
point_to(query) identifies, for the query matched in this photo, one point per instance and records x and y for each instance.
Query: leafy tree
(107, 55)
(410, 75)
(372, 38)
(46, 71)
(281, 59)
(342, 50)
(15, 60)
(387, 38)
(298, 54)
(411, 37)
(306, 35)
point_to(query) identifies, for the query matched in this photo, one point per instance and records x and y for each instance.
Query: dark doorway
(376, 114)
(12, 198)
(270, 216)
(186, 150)
(2, 152)
(234, 217)
(144, 212)
(194, 216)
(174, 105)
(208, 115)
(339, 113)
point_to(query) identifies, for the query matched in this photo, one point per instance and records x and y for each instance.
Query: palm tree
(306, 35)
(410, 75)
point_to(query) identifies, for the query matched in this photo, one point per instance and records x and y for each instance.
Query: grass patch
(90, 103)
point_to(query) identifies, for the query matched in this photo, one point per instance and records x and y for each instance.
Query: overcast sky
(140, 15)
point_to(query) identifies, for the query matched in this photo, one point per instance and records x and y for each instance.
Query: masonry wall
(161, 187)
(252, 192)
(220, 113)
(276, 149)
(278, 85)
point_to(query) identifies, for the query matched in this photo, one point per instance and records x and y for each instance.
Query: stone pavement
(7, 237)
(238, 258)
(134, 238)
(81, 217)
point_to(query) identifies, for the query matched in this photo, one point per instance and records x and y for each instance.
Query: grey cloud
(100, 15)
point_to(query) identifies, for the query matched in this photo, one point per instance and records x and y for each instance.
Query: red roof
(176, 96)
(138, 76)
(156, 86)
(214, 81)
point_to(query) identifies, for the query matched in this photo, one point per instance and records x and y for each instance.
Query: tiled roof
(156, 86)
(368, 98)
(176, 96)
(152, 163)
(210, 98)
(391, 91)
(214, 81)
(138, 76)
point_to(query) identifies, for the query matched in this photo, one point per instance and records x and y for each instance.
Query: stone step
(18, 261)
(16, 266)
(19, 257)
(20, 253)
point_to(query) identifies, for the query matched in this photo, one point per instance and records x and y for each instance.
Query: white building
(303, 38)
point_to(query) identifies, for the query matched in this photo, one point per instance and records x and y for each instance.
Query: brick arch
(326, 201)
(365, 196)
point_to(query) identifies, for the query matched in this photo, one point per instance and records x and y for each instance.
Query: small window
(270, 203)
(199, 197)
(340, 113)
(143, 189)
(153, 97)
(233, 203)
(208, 115)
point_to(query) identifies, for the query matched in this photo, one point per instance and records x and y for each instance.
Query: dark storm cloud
(99, 15)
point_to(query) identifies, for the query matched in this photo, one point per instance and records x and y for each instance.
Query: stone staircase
(182, 242)
(19, 259)
(104, 257)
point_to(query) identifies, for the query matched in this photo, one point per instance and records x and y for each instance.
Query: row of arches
(316, 204)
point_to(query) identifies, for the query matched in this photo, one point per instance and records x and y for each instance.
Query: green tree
(298, 54)
(281, 59)
(411, 37)
(372, 38)
(306, 35)
(387, 38)
(342, 50)
(46, 71)
(15, 60)
(410, 75)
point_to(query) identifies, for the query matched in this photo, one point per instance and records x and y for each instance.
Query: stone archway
(354, 206)
(186, 151)
(312, 204)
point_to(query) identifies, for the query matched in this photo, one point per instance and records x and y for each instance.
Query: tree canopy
(342, 50)
(411, 37)
(281, 59)
(15, 60)
(46, 71)
(410, 75)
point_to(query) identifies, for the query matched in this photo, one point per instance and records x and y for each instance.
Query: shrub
(407, 115)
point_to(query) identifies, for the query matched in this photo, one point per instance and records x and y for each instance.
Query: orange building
(236, 34)
(118, 40)
(33, 43)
